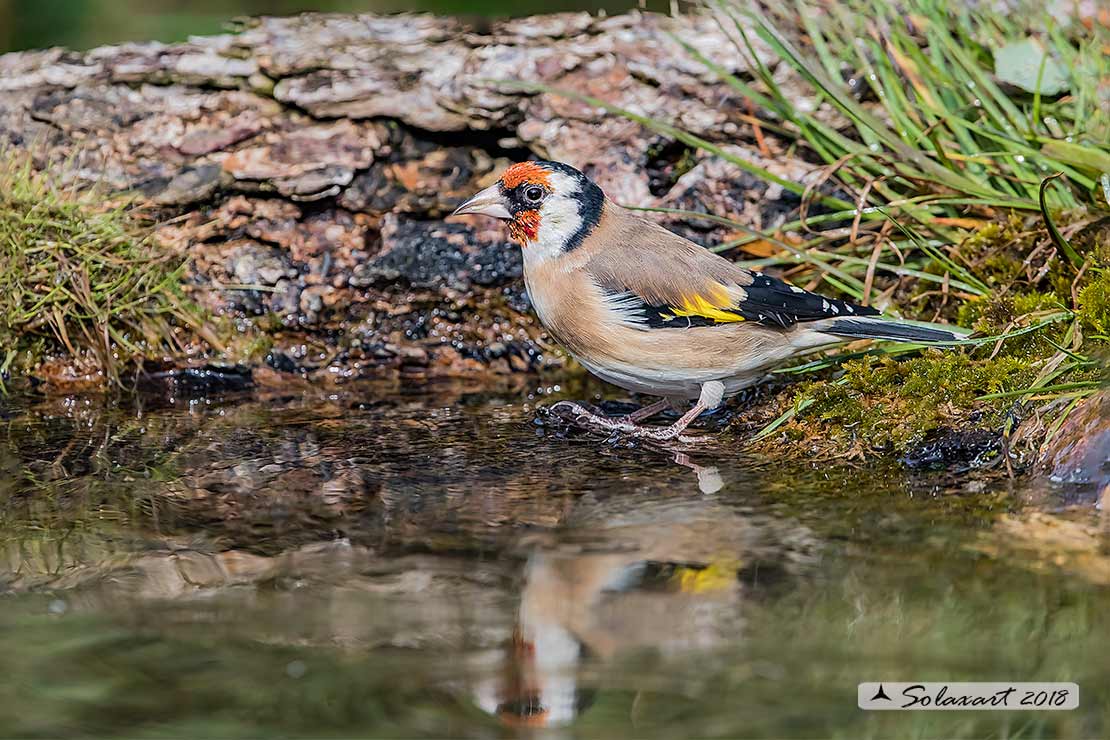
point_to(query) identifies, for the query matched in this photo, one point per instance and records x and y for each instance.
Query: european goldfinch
(652, 312)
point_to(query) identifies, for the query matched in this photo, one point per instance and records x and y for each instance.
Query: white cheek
(559, 219)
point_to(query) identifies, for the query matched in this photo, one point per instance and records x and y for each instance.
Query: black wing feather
(769, 301)
(774, 302)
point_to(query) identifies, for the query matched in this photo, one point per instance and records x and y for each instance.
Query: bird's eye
(534, 194)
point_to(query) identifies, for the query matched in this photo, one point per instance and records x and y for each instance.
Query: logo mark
(880, 694)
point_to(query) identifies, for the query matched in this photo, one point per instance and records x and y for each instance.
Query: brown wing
(671, 278)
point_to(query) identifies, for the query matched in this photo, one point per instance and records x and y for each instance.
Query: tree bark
(304, 166)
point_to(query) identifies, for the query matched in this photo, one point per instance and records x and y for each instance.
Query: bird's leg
(674, 430)
(627, 423)
(712, 393)
(646, 412)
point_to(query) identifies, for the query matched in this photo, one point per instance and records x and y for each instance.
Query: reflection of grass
(83, 481)
(82, 280)
(936, 196)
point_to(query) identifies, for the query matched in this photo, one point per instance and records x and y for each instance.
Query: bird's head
(550, 206)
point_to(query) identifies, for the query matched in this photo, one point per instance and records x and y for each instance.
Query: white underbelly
(685, 383)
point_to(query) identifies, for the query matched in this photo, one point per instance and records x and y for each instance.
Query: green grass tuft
(82, 283)
(979, 195)
(927, 117)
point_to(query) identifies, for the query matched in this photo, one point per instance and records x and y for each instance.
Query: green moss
(81, 282)
(995, 314)
(995, 253)
(1094, 303)
(1094, 291)
(884, 402)
(1015, 257)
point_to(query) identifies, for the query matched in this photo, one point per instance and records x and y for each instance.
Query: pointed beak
(487, 202)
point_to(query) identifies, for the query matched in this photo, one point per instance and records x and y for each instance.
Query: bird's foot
(625, 425)
(583, 417)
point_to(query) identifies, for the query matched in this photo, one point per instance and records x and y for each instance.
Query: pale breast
(570, 307)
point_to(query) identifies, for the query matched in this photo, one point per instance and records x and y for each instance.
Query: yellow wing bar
(711, 307)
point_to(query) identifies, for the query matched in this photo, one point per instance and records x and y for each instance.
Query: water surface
(383, 561)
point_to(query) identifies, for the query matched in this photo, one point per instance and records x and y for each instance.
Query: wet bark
(304, 166)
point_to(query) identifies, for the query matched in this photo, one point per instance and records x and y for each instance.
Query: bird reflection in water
(668, 578)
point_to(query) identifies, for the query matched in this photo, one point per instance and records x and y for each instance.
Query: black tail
(892, 330)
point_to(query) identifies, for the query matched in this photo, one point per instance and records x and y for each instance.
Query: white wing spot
(796, 289)
(627, 309)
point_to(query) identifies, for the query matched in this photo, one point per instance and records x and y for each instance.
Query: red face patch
(525, 227)
(525, 172)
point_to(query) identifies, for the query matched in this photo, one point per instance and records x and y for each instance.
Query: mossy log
(304, 167)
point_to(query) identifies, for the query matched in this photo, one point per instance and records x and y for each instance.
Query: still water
(391, 562)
